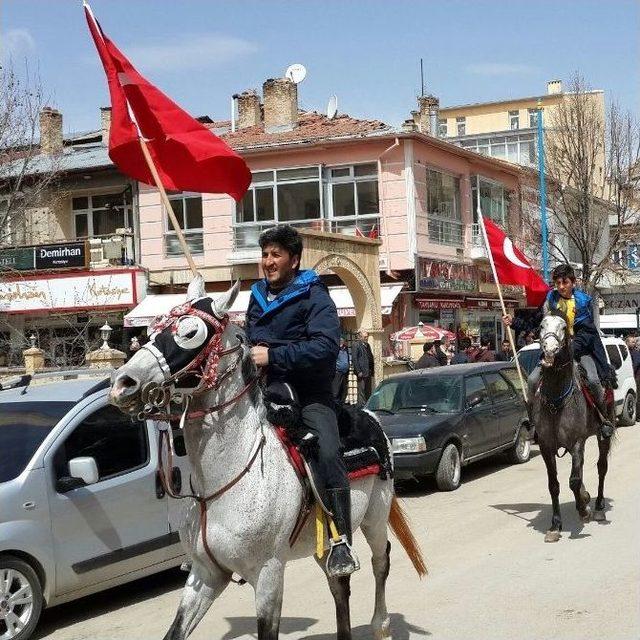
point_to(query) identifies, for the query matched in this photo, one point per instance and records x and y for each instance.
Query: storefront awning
(158, 304)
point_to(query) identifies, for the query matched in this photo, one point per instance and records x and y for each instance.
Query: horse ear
(196, 288)
(224, 302)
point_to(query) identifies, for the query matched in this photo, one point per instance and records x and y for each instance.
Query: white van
(618, 356)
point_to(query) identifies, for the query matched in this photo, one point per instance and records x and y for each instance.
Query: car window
(475, 389)
(529, 359)
(614, 355)
(624, 351)
(499, 388)
(512, 376)
(430, 393)
(23, 428)
(117, 444)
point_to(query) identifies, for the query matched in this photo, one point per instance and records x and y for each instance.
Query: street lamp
(105, 332)
(32, 340)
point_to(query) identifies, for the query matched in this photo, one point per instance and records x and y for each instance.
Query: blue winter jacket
(302, 330)
(584, 309)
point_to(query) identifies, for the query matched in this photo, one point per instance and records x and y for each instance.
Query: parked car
(441, 419)
(82, 507)
(618, 355)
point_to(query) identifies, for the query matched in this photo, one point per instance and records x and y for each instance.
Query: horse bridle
(158, 396)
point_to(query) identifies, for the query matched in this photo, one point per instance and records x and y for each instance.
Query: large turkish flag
(512, 267)
(187, 155)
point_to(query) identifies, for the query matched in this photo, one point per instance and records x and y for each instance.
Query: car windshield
(432, 394)
(23, 428)
(529, 359)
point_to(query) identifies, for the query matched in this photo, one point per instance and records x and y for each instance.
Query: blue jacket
(302, 330)
(584, 309)
(342, 364)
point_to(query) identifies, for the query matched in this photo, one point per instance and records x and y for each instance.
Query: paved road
(491, 574)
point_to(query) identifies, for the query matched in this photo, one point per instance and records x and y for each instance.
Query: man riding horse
(294, 327)
(576, 305)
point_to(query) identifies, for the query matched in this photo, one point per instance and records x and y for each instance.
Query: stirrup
(342, 559)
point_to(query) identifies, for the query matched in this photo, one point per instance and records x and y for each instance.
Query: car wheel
(449, 469)
(20, 599)
(521, 450)
(628, 415)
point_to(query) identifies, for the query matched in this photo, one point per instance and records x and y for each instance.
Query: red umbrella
(430, 333)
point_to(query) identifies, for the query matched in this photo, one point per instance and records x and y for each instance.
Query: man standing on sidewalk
(363, 365)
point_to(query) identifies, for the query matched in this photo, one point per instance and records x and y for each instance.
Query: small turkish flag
(188, 157)
(512, 267)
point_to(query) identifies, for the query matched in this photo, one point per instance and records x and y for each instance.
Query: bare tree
(590, 156)
(27, 177)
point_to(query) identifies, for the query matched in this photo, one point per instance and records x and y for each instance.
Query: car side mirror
(474, 401)
(85, 469)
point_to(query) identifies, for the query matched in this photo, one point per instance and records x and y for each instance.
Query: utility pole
(543, 196)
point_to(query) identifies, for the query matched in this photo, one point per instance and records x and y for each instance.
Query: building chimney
(554, 86)
(248, 109)
(409, 125)
(105, 123)
(280, 97)
(428, 115)
(50, 131)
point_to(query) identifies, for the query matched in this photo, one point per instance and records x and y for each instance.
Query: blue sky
(366, 52)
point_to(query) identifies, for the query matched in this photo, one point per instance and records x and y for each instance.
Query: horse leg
(269, 587)
(375, 531)
(604, 445)
(202, 588)
(549, 456)
(575, 482)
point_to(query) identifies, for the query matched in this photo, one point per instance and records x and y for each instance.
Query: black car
(440, 419)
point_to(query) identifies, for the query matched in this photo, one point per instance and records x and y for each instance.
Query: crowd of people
(438, 353)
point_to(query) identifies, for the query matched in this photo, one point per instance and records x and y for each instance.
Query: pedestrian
(632, 344)
(341, 379)
(429, 358)
(440, 353)
(505, 354)
(461, 356)
(530, 338)
(362, 357)
(485, 353)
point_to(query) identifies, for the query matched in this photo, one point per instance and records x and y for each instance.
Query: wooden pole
(504, 309)
(167, 205)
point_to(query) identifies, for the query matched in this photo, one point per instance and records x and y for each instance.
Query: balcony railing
(246, 234)
(446, 231)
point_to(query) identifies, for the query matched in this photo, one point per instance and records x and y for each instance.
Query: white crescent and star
(507, 248)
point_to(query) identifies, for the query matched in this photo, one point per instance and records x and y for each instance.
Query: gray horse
(564, 420)
(248, 493)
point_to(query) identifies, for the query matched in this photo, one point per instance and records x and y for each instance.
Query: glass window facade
(101, 214)
(188, 210)
(443, 208)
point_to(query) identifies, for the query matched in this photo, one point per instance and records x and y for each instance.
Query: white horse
(254, 495)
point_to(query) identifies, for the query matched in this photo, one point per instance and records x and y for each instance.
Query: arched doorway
(356, 262)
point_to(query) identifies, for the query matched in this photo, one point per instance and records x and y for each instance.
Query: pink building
(414, 191)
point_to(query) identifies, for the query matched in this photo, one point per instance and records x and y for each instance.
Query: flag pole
(504, 309)
(167, 205)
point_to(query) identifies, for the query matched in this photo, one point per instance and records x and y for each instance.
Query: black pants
(320, 419)
(340, 387)
(364, 390)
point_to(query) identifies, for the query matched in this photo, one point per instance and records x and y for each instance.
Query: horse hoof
(383, 631)
(552, 536)
(599, 516)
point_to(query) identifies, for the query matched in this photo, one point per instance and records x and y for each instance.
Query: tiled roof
(311, 126)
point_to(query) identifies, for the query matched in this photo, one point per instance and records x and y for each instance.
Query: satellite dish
(296, 73)
(332, 107)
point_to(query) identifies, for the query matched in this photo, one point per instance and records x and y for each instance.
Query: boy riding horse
(576, 305)
(294, 327)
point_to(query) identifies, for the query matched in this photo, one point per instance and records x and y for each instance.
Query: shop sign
(482, 303)
(447, 317)
(511, 290)
(622, 301)
(17, 259)
(424, 304)
(60, 256)
(445, 276)
(69, 293)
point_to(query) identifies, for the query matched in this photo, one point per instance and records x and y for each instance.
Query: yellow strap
(334, 532)
(319, 531)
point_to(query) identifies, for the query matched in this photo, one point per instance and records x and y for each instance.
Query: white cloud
(190, 52)
(499, 69)
(17, 43)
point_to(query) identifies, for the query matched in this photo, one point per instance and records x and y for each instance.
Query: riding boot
(342, 560)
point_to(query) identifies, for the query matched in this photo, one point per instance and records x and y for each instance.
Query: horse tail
(400, 527)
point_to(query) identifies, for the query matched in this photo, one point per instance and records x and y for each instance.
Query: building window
(461, 126)
(353, 197)
(514, 120)
(188, 210)
(442, 127)
(533, 118)
(492, 200)
(101, 215)
(519, 149)
(443, 209)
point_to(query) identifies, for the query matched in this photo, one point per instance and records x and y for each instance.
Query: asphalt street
(491, 574)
